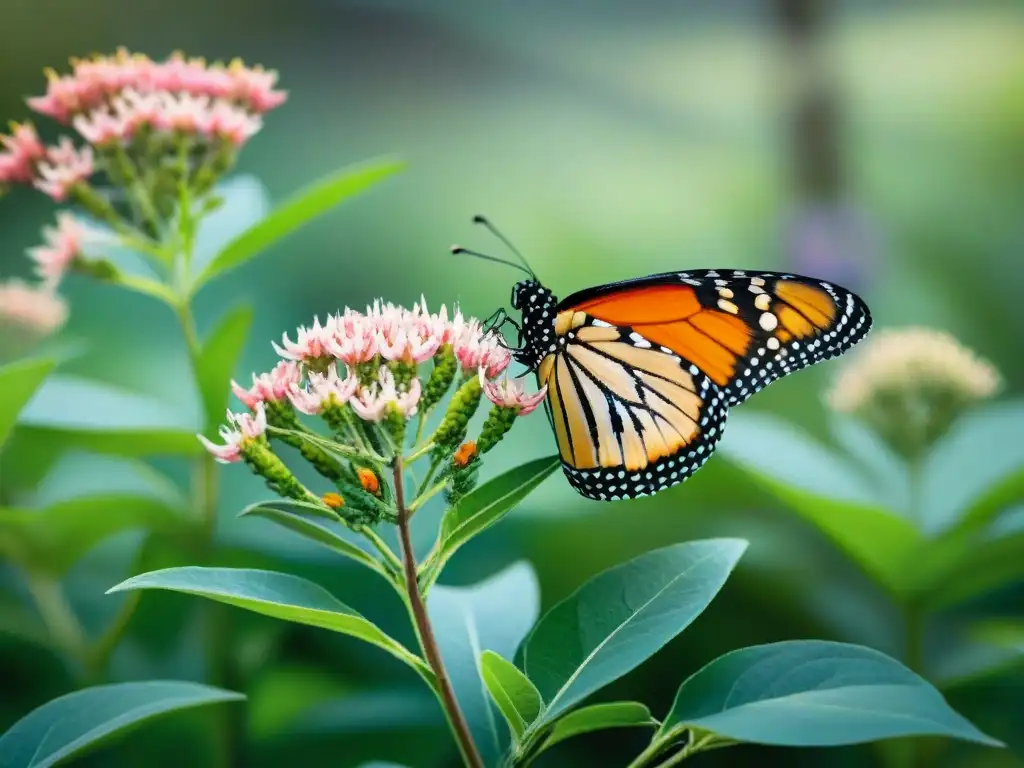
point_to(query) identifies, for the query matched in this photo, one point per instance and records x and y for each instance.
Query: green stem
(426, 496)
(60, 620)
(99, 656)
(424, 449)
(204, 492)
(425, 632)
(391, 561)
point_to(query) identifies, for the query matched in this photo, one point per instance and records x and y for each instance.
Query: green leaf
(68, 726)
(146, 286)
(514, 694)
(621, 617)
(217, 360)
(494, 614)
(600, 717)
(813, 693)
(311, 522)
(819, 487)
(95, 416)
(52, 539)
(279, 595)
(18, 382)
(314, 200)
(976, 468)
(485, 506)
(965, 564)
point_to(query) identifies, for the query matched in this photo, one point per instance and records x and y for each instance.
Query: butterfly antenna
(458, 249)
(484, 221)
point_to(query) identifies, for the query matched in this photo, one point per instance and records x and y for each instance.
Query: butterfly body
(640, 374)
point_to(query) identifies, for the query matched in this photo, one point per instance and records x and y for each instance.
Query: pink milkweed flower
(64, 167)
(233, 124)
(310, 343)
(374, 402)
(100, 127)
(62, 245)
(351, 338)
(242, 428)
(35, 310)
(323, 390)
(510, 393)
(269, 387)
(400, 336)
(476, 350)
(23, 149)
(254, 87)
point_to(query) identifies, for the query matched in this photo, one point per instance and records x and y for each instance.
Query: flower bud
(445, 367)
(461, 409)
(264, 462)
(499, 421)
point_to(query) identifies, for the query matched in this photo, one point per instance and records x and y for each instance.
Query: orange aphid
(333, 500)
(465, 454)
(368, 479)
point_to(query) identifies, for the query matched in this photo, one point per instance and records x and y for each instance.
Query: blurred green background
(880, 145)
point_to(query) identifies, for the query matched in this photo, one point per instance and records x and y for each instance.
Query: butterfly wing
(743, 328)
(630, 419)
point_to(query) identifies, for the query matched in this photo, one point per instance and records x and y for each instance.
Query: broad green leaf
(813, 693)
(279, 595)
(965, 564)
(309, 521)
(69, 726)
(621, 617)
(94, 416)
(18, 382)
(371, 710)
(494, 614)
(309, 203)
(217, 361)
(600, 717)
(510, 689)
(819, 487)
(52, 539)
(977, 463)
(486, 505)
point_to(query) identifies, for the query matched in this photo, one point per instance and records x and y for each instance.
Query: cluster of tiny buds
(111, 100)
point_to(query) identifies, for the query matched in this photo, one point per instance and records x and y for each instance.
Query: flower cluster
(360, 372)
(911, 383)
(95, 83)
(158, 134)
(150, 127)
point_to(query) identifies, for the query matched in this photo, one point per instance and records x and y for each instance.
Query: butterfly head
(538, 307)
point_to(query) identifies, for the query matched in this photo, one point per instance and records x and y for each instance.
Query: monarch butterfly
(641, 373)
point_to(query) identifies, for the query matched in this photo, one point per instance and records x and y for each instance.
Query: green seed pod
(461, 409)
(265, 463)
(440, 380)
(499, 421)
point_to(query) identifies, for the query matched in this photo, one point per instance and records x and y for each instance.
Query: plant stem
(204, 490)
(56, 614)
(103, 648)
(428, 643)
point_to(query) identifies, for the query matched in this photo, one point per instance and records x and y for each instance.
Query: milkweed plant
(390, 409)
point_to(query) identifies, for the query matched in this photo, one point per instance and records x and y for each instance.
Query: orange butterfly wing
(744, 329)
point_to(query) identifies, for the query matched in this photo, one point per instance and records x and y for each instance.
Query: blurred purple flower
(835, 242)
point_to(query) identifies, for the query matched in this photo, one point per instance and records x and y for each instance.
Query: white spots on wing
(762, 301)
(773, 343)
(728, 306)
(768, 321)
(639, 340)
